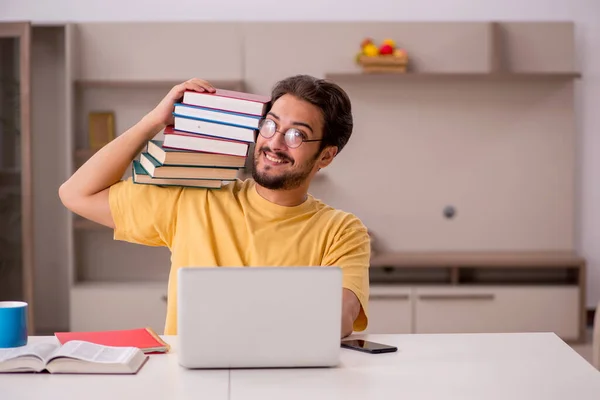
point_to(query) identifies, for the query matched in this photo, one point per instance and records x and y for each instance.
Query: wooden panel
(27, 172)
(101, 258)
(71, 57)
(498, 309)
(159, 51)
(274, 50)
(501, 153)
(113, 306)
(538, 46)
(14, 29)
(50, 152)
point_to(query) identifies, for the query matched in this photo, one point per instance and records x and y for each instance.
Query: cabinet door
(118, 306)
(498, 309)
(390, 310)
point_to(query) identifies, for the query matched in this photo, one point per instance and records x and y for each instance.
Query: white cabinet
(390, 310)
(113, 306)
(498, 309)
(475, 309)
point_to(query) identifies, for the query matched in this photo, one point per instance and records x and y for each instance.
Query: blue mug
(13, 324)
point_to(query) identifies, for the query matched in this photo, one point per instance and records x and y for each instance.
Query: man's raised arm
(86, 192)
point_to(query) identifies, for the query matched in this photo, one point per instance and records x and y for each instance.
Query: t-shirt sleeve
(351, 251)
(144, 214)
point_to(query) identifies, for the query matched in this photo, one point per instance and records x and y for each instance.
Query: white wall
(585, 13)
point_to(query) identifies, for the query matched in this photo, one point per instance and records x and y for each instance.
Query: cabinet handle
(164, 298)
(389, 297)
(472, 296)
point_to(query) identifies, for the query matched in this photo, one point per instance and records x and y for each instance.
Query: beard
(285, 181)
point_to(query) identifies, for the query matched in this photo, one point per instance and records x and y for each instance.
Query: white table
(160, 378)
(478, 366)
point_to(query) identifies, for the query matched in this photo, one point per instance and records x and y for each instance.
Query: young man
(269, 220)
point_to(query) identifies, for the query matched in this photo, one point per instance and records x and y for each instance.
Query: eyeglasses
(293, 137)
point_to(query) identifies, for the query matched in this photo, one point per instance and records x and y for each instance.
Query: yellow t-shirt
(235, 226)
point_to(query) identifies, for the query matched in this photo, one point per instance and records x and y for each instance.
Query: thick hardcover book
(180, 140)
(140, 176)
(157, 170)
(169, 156)
(74, 357)
(228, 100)
(218, 116)
(216, 130)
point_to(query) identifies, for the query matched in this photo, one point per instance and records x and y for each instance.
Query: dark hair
(331, 99)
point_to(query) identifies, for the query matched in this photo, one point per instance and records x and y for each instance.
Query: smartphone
(368, 347)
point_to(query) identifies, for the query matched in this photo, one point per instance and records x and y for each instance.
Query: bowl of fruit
(386, 57)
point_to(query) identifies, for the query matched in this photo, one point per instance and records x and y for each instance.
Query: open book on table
(74, 357)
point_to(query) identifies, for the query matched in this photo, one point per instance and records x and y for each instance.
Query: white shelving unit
(465, 292)
(481, 120)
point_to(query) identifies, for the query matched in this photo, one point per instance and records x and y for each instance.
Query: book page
(42, 350)
(95, 353)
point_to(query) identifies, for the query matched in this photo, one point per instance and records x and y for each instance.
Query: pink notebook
(144, 339)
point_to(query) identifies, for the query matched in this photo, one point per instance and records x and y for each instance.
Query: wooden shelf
(448, 276)
(149, 84)
(479, 259)
(526, 76)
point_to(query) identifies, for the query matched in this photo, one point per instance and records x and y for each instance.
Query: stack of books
(208, 143)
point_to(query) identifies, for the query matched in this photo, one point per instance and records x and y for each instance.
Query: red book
(144, 339)
(228, 100)
(180, 140)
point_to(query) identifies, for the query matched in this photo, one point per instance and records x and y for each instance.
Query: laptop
(259, 317)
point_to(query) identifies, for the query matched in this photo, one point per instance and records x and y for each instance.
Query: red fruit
(386, 49)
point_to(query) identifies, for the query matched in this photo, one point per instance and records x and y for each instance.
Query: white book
(74, 357)
(214, 129)
(219, 116)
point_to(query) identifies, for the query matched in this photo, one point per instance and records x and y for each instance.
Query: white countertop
(477, 366)
(160, 378)
(443, 366)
